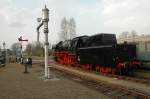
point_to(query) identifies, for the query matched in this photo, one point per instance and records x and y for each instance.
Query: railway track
(143, 80)
(110, 90)
(133, 79)
(116, 92)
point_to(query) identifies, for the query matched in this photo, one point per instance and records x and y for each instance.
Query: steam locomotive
(98, 52)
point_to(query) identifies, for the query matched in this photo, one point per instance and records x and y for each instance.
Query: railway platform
(14, 84)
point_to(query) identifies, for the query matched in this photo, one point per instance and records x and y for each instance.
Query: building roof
(142, 38)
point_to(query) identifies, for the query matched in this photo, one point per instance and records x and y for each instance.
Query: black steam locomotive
(98, 52)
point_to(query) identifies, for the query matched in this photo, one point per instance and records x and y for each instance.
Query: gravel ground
(143, 73)
(14, 84)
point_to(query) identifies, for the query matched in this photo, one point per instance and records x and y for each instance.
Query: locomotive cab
(78, 42)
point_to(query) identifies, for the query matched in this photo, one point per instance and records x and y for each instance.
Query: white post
(45, 20)
(46, 55)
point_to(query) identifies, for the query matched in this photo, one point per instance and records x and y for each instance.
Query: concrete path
(14, 84)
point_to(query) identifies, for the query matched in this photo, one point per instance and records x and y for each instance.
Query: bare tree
(72, 28)
(68, 29)
(64, 29)
(16, 48)
(28, 49)
(134, 33)
(34, 49)
(124, 35)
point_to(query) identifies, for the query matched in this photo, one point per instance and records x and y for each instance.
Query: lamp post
(44, 22)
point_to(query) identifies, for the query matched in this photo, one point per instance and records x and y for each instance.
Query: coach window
(147, 46)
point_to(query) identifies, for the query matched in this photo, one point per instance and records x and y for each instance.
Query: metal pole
(21, 50)
(7, 60)
(21, 53)
(5, 51)
(45, 23)
(39, 26)
(46, 55)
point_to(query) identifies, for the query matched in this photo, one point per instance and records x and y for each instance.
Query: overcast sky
(18, 17)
